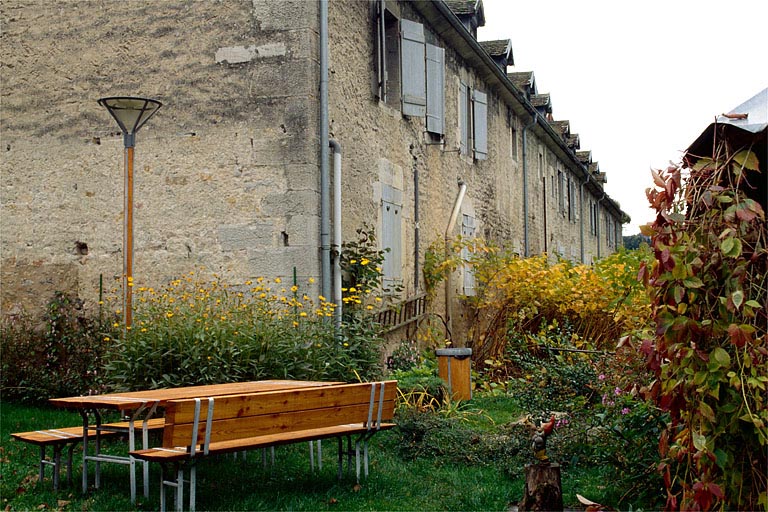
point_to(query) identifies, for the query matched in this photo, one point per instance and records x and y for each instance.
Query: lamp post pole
(131, 114)
(128, 237)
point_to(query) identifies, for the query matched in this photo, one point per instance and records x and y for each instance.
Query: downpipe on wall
(337, 230)
(526, 244)
(448, 231)
(325, 228)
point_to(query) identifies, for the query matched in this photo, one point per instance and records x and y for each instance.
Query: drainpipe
(581, 207)
(337, 230)
(416, 228)
(325, 228)
(544, 193)
(526, 245)
(597, 222)
(448, 230)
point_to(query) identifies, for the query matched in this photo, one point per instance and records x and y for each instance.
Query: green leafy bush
(57, 355)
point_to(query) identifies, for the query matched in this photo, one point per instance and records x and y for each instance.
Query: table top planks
(131, 400)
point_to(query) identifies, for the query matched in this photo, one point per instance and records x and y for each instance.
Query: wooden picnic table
(143, 405)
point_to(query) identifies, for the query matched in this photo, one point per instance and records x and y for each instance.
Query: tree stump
(543, 490)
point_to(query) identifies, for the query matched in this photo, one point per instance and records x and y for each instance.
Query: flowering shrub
(600, 303)
(197, 330)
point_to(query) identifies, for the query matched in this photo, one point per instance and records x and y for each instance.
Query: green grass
(228, 484)
(449, 476)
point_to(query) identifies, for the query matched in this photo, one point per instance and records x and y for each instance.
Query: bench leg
(41, 474)
(69, 464)
(56, 467)
(319, 454)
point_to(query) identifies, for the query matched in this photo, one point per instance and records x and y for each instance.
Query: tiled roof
(562, 127)
(521, 79)
(541, 100)
(584, 157)
(498, 48)
(461, 6)
(573, 141)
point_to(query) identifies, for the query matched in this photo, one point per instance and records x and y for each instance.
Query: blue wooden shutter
(435, 89)
(480, 124)
(463, 118)
(413, 70)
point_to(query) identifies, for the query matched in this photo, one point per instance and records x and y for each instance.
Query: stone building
(235, 172)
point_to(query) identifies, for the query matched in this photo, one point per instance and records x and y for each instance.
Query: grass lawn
(395, 482)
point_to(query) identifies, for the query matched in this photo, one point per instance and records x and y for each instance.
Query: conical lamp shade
(130, 113)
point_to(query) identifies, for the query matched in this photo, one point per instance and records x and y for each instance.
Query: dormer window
(470, 12)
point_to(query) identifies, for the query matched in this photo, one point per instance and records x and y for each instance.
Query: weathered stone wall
(225, 173)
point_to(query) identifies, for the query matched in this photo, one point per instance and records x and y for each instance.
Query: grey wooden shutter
(413, 68)
(463, 118)
(435, 89)
(480, 124)
(467, 233)
(391, 236)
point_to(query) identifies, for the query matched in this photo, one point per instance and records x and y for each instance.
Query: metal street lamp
(131, 114)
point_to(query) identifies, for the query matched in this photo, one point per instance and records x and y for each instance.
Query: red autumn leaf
(716, 490)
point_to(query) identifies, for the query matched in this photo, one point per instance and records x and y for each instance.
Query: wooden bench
(58, 438)
(197, 428)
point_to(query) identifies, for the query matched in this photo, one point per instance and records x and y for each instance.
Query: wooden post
(543, 490)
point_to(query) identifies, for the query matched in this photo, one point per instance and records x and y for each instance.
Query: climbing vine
(708, 289)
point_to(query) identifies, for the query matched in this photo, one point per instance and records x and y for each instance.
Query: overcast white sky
(638, 81)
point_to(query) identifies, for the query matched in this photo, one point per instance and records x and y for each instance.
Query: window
(592, 217)
(387, 56)
(512, 125)
(513, 145)
(410, 72)
(391, 235)
(473, 122)
(467, 233)
(561, 191)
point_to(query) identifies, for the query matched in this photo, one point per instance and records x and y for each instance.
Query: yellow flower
(262, 295)
(311, 280)
(352, 290)
(369, 307)
(101, 302)
(294, 288)
(303, 313)
(143, 329)
(321, 298)
(115, 324)
(278, 280)
(106, 338)
(168, 314)
(248, 283)
(378, 299)
(365, 261)
(295, 324)
(346, 344)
